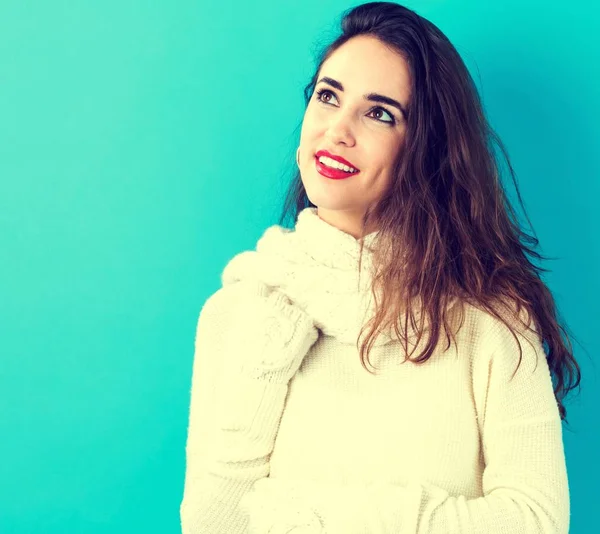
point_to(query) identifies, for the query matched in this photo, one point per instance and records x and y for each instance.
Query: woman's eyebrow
(373, 97)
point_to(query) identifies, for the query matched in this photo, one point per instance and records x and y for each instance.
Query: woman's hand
(270, 336)
(278, 507)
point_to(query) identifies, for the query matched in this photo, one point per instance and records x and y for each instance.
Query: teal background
(143, 145)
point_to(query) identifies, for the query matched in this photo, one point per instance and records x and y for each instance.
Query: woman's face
(368, 134)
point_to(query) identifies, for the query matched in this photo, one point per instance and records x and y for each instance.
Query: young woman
(458, 429)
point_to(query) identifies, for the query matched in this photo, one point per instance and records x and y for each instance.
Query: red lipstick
(330, 172)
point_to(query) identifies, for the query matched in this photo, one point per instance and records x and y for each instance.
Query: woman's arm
(249, 343)
(525, 482)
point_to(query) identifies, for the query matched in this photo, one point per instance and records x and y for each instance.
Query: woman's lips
(329, 172)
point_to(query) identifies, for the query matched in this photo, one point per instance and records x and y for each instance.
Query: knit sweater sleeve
(525, 484)
(231, 430)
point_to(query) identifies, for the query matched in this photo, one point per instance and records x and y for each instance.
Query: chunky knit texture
(455, 445)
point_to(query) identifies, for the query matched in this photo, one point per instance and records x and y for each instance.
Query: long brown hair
(446, 204)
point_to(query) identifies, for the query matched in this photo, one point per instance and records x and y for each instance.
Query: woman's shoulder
(222, 305)
(505, 341)
(223, 300)
(508, 316)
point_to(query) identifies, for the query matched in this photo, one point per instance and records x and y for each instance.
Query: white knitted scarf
(316, 267)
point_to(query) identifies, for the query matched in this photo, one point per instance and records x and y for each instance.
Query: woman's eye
(377, 109)
(321, 92)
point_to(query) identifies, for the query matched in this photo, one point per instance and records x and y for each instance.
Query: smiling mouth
(332, 172)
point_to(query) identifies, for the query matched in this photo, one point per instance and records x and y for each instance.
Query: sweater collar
(316, 266)
(328, 244)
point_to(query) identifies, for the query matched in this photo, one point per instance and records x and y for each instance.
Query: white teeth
(336, 164)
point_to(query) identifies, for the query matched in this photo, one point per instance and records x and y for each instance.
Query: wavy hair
(446, 204)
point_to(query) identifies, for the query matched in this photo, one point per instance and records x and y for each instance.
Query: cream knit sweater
(450, 446)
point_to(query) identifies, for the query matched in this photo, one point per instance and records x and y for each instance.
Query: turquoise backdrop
(143, 145)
